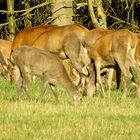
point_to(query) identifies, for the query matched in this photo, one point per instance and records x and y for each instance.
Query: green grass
(96, 118)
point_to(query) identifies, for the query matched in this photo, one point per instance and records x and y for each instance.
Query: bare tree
(99, 19)
(27, 19)
(11, 19)
(62, 12)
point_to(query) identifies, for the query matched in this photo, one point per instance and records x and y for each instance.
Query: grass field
(96, 118)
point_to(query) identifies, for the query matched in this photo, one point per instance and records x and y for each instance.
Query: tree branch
(29, 9)
(92, 14)
(122, 21)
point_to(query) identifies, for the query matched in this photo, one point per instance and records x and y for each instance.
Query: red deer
(93, 35)
(47, 66)
(114, 48)
(68, 38)
(78, 56)
(36, 38)
(5, 50)
(28, 35)
(90, 38)
(73, 49)
(137, 57)
(53, 41)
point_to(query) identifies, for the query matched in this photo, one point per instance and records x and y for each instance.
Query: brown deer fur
(117, 47)
(5, 50)
(27, 36)
(47, 66)
(90, 38)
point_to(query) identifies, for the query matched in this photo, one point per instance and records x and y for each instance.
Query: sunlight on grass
(95, 118)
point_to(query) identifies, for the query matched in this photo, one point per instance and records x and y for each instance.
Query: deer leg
(109, 81)
(26, 87)
(127, 75)
(19, 87)
(138, 90)
(43, 89)
(127, 80)
(99, 82)
(118, 76)
(25, 82)
(137, 85)
(54, 91)
(90, 81)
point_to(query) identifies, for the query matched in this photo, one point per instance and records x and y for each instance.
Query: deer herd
(73, 56)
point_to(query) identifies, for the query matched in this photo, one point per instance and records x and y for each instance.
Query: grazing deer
(58, 38)
(79, 57)
(90, 38)
(41, 36)
(65, 41)
(53, 40)
(117, 48)
(5, 50)
(47, 66)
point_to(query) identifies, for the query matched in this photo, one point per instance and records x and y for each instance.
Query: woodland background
(18, 14)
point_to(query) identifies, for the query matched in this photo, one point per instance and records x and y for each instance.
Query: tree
(62, 12)
(98, 20)
(28, 17)
(11, 19)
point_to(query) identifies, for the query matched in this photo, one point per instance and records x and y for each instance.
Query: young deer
(47, 66)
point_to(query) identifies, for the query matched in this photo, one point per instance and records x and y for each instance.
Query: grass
(94, 119)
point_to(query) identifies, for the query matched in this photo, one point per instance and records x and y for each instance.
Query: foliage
(120, 14)
(123, 10)
(41, 15)
(81, 14)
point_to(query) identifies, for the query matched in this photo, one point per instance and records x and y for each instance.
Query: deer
(94, 34)
(49, 67)
(89, 39)
(137, 58)
(53, 40)
(66, 42)
(116, 49)
(38, 35)
(5, 50)
(60, 37)
(79, 56)
(27, 36)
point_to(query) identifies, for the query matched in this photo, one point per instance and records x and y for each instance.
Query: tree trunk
(11, 19)
(62, 12)
(133, 21)
(28, 17)
(101, 15)
(92, 14)
(98, 20)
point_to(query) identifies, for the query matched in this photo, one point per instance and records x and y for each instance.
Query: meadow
(96, 118)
